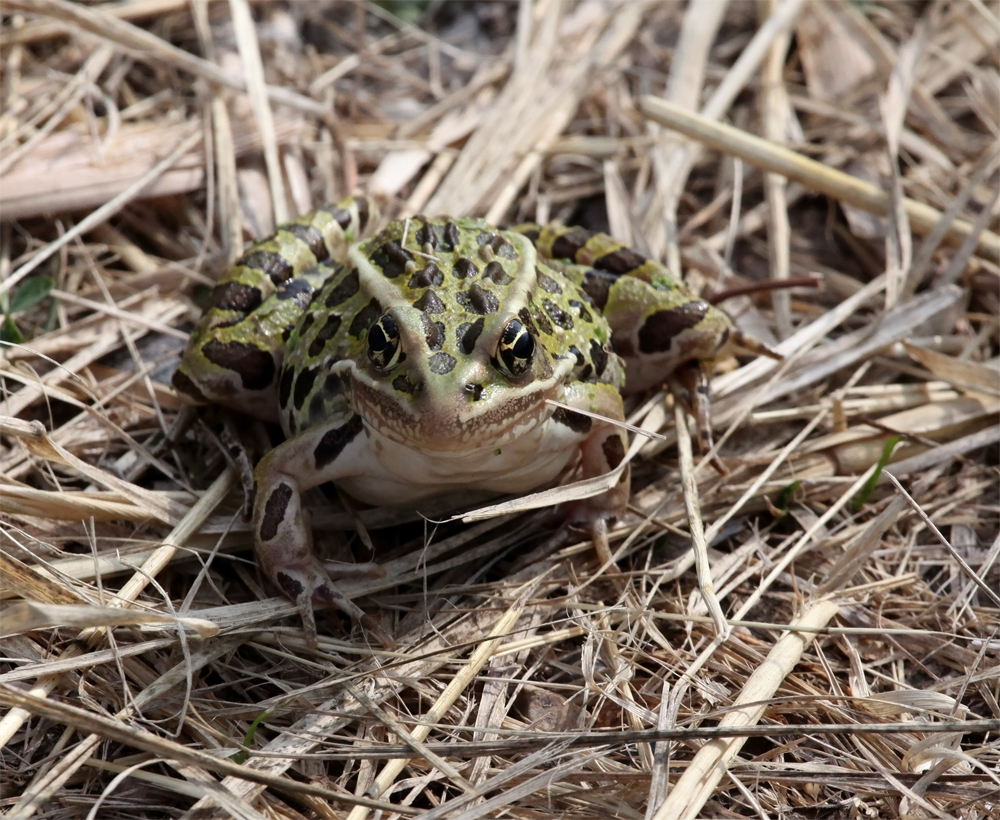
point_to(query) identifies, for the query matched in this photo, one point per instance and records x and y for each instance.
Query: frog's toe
(312, 585)
(337, 570)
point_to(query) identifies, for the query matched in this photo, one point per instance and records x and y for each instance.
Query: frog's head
(455, 358)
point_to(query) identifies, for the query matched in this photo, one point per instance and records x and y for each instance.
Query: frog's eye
(383, 343)
(515, 349)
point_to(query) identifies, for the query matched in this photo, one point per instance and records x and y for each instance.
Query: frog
(436, 356)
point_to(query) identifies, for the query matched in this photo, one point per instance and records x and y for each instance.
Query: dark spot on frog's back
(365, 318)
(254, 366)
(620, 261)
(431, 276)
(614, 450)
(307, 322)
(444, 238)
(500, 246)
(479, 300)
(274, 511)
(342, 217)
(581, 310)
(277, 268)
(465, 268)
(494, 272)
(325, 334)
(574, 421)
(233, 295)
(303, 386)
(345, 288)
(541, 320)
(310, 236)
(567, 245)
(505, 250)
(425, 235)
(548, 284)
(430, 302)
(441, 363)
(528, 321)
(659, 330)
(363, 214)
(335, 440)
(467, 334)
(392, 258)
(557, 314)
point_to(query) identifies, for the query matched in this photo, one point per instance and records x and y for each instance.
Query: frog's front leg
(602, 451)
(282, 537)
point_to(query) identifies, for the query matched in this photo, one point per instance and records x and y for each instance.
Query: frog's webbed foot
(309, 583)
(689, 384)
(242, 445)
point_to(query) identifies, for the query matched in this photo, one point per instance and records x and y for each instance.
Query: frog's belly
(394, 475)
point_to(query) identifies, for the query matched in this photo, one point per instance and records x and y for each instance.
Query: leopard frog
(422, 362)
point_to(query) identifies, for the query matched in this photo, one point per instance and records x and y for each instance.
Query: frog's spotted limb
(236, 351)
(661, 330)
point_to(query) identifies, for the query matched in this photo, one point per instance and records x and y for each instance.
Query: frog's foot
(689, 384)
(309, 584)
(242, 444)
(601, 452)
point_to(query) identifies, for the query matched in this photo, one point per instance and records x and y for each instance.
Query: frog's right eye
(515, 349)
(383, 343)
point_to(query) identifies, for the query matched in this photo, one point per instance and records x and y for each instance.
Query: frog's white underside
(387, 473)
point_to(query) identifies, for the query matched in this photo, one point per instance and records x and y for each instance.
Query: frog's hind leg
(662, 331)
(689, 385)
(235, 353)
(747, 344)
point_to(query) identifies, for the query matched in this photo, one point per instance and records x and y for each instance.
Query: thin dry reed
(843, 660)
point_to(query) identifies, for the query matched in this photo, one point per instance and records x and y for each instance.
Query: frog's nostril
(476, 390)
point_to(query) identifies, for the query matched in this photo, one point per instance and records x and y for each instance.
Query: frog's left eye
(515, 349)
(383, 343)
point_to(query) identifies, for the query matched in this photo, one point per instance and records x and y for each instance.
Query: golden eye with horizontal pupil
(383, 343)
(515, 349)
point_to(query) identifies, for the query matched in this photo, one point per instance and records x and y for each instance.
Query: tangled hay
(843, 660)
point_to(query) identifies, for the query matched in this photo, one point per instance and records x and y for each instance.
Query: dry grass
(148, 671)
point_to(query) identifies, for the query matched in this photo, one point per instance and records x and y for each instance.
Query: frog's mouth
(456, 425)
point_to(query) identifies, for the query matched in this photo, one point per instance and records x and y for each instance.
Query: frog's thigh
(602, 450)
(282, 537)
(656, 331)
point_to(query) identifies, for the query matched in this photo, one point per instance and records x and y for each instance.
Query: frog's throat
(459, 425)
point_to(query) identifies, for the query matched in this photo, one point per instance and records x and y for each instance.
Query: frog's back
(451, 289)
